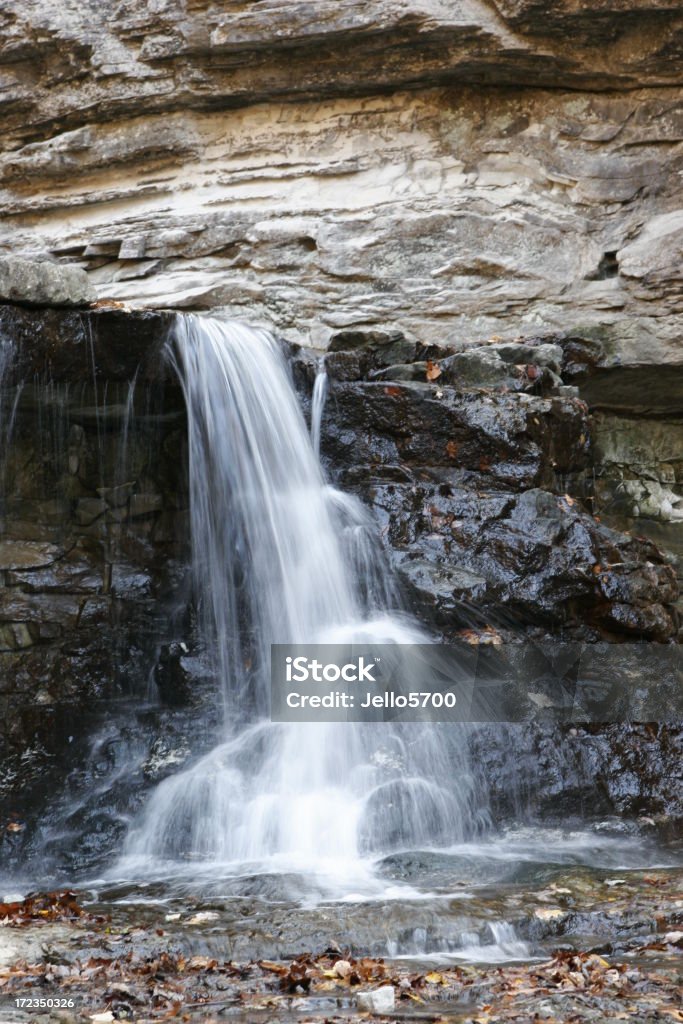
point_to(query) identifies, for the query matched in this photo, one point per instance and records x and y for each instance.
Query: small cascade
(281, 556)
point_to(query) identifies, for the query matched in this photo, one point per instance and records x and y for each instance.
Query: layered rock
(485, 493)
(43, 284)
(453, 171)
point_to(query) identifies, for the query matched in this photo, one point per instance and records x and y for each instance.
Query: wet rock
(15, 606)
(65, 345)
(510, 439)
(89, 509)
(556, 772)
(27, 554)
(116, 497)
(469, 489)
(511, 367)
(172, 677)
(145, 504)
(440, 591)
(74, 572)
(43, 283)
(15, 636)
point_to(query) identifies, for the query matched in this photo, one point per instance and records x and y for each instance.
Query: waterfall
(281, 556)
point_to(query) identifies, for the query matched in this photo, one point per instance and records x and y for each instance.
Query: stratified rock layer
(450, 170)
(43, 284)
(478, 491)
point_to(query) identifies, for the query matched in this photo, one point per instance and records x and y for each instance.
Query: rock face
(450, 170)
(474, 207)
(483, 493)
(43, 284)
(93, 555)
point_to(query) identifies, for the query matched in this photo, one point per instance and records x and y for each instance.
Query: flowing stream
(280, 556)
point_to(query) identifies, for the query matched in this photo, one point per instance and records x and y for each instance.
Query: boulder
(42, 283)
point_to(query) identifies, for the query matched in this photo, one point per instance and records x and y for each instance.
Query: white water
(280, 556)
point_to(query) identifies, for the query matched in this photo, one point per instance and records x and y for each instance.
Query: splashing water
(280, 556)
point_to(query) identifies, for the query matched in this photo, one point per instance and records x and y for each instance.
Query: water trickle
(318, 407)
(280, 556)
(9, 403)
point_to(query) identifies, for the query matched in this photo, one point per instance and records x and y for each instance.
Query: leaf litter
(578, 986)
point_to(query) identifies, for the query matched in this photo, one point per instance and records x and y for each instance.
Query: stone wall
(93, 531)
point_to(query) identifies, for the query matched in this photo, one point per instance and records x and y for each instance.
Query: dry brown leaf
(433, 370)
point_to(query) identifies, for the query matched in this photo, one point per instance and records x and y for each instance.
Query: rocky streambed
(556, 940)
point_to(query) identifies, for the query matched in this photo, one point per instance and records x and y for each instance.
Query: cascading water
(280, 556)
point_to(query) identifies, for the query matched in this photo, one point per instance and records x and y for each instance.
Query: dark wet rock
(504, 439)
(74, 346)
(173, 680)
(556, 772)
(512, 366)
(469, 488)
(477, 479)
(89, 587)
(27, 554)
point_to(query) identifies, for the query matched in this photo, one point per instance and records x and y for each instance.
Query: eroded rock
(43, 283)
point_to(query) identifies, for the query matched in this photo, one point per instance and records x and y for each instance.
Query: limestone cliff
(455, 169)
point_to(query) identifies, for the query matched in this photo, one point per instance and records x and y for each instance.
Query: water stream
(280, 556)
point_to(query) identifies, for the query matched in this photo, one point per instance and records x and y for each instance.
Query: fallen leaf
(487, 636)
(433, 371)
(434, 978)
